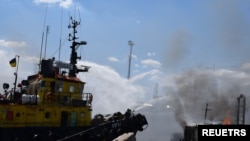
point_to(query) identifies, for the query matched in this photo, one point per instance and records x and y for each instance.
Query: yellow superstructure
(49, 102)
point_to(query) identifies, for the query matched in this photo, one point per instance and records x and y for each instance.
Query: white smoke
(111, 92)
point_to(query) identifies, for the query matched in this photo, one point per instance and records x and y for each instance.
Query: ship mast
(73, 58)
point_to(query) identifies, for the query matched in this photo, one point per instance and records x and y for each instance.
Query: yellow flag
(13, 62)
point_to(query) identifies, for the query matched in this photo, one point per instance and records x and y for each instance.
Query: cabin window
(72, 89)
(81, 86)
(59, 86)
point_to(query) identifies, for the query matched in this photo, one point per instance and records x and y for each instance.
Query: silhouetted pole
(130, 43)
(241, 108)
(206, 110)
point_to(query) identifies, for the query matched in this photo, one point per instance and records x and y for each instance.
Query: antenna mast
(43, 36)
(47, 32)
(130, 43)
(73, 58)
(60, 42)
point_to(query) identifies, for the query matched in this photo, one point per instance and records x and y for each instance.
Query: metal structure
(73, 58)
(130, 43)
(206, 110)
(240, 110)
(47, 32)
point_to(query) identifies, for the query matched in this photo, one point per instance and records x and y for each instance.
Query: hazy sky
(196, 51)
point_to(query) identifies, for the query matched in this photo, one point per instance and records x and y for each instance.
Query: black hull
(38, 133)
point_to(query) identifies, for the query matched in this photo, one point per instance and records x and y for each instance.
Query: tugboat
(52, 105)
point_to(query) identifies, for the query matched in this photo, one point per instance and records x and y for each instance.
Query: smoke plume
(218, 89)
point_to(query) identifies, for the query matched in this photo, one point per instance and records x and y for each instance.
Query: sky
(189, 53)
